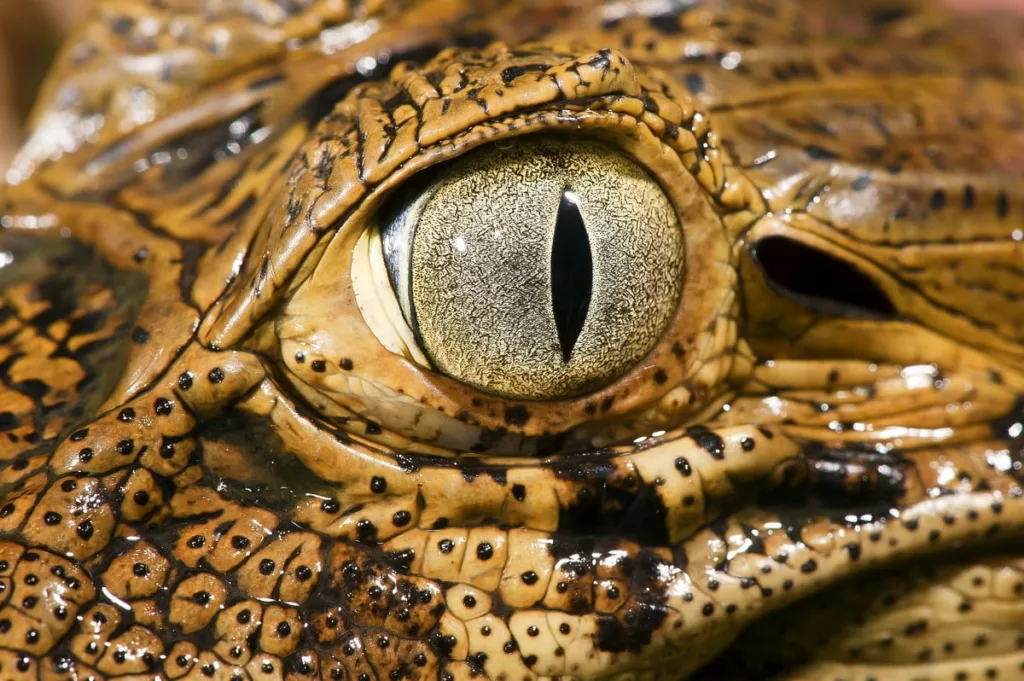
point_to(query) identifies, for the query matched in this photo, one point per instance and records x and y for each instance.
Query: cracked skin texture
(213, 468)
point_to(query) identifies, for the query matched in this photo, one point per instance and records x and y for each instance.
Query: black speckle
(378, 484)
(318, 365)
(660, 376)
(216, 375)
(484, 551)
(140, 335)
(1002, 205)
(85, 530)
(819, 153)
(519, 492)
(346, 364)
(694, 83)
(517, 416)
(185, 381)
(366, 531)
(708, 441)
(163, 406)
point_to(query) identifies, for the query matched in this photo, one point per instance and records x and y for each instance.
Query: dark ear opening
(819, 280)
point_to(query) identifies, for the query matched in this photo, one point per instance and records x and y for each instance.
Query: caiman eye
(537, 270)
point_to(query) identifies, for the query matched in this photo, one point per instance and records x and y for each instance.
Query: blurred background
(30, 33)
(32, 30)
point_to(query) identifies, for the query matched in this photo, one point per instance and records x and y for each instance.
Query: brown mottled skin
(213, 468)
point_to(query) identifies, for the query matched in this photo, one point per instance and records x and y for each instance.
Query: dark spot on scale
(318, 365)
(694, 83)
(862, 182)
(683, 466)
(216, 375)
(366, 531)
(519, 492)
(512, 72)
(915, 628)
(1002, 205)
(140, 335)
(378, 484)
(85, 530)
(484, 551)
(938, 200)
(819, 153)
(708, 441)
(517, 416)
(660, 376)
(346, 364)
(373, 428)
(185, 381)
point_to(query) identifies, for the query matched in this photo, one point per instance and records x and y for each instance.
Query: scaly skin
(225, 474)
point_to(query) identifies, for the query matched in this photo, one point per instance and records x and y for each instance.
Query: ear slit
(820, 280)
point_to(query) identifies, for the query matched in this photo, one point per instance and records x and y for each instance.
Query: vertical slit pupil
(572, 273)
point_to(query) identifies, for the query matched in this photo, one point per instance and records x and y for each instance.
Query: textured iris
(537, 268)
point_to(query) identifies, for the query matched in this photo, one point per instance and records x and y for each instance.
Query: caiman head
(433, 340)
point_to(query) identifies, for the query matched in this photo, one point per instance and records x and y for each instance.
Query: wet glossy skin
(215, 467)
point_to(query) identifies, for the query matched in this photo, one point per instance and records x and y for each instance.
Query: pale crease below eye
(535, 269)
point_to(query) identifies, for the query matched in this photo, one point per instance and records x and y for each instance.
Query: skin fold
(226, 451)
